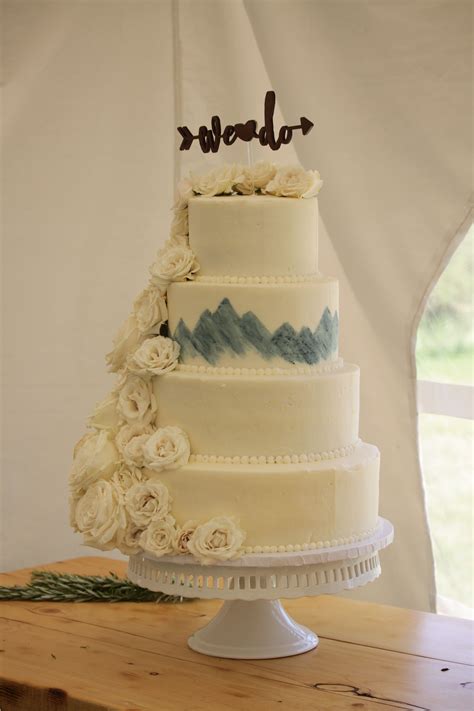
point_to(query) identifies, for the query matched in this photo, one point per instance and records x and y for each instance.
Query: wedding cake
(232, 427)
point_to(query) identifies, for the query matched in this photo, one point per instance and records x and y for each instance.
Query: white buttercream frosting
(295, 414)
(256, 235)
(325, 367)
(257, 279)
(275, 459)
(301, 503)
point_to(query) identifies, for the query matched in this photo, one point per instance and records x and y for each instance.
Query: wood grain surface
(134, 657)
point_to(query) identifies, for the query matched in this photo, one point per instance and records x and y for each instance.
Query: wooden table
(134, 656)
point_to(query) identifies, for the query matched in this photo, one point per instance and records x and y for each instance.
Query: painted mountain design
(224, 331)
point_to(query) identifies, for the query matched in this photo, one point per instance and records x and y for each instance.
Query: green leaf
(67, 587)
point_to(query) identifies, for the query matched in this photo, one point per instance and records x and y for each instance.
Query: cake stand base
(252, 623)
(252, 630)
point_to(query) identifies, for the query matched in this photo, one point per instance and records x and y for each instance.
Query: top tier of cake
(258, 235)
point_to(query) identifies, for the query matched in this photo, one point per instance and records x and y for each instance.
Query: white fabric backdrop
(94, 91)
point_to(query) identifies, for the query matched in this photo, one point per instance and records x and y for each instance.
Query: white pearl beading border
(326, 367)
(233, 279)
(279, 459)
(290, 548)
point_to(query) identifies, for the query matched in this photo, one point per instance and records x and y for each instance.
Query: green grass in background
(445, 339)
(455, 368)
(445, 353)
(446, 458)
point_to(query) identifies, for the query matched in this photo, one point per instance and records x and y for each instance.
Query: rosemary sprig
(67, 587)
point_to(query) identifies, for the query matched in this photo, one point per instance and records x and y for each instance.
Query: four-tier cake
(233, 425)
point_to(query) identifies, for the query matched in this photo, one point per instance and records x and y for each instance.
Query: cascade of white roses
(116, 498)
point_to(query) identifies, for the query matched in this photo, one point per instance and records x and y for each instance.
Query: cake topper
(210, 138)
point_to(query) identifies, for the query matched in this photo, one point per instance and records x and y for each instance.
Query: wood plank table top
(134, 657)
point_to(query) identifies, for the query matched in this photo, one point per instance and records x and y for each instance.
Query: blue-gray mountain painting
(224, 331)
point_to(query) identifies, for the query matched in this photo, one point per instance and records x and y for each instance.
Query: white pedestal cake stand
(252, 623)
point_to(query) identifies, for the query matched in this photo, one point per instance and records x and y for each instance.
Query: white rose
(125, 342)
(81, 442)
(155, 356)
(133, 452)
(219, 181)
(159, 537)
(183, 536)
(125, 434)
(294, 181)
(147, 501)
(125, 477)
(99, 515)
(128, 539)
(173, 263)
(150, 309)
(105, 415)
(179, 230)
(95, 457)
(246, 185)
(218, 539)
(136, 401)
(256, 177)
(184, 192)
(74, 497)
(262, 173)
(167, 448)
(177, 240)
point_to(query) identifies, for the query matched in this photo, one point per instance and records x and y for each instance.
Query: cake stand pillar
(257, 629)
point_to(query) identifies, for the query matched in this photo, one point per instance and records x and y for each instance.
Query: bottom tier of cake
(283, 507)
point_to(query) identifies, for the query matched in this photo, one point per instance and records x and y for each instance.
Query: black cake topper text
(210, 138)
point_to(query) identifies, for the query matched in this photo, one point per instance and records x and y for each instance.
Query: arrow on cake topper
(210, 138)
